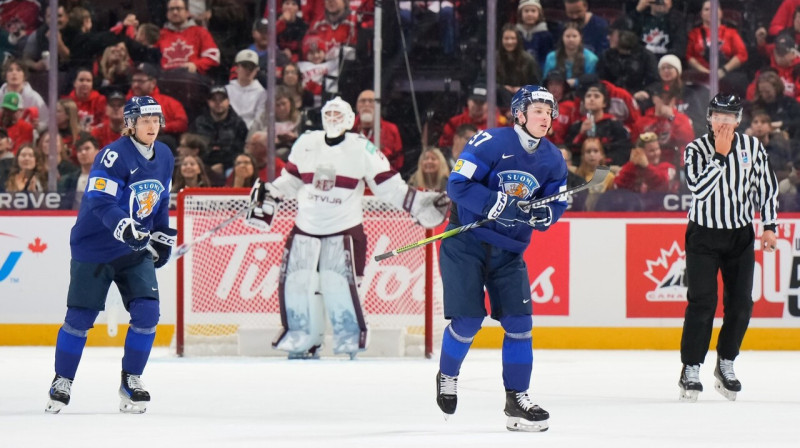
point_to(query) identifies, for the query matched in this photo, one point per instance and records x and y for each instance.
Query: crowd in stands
(631, 78)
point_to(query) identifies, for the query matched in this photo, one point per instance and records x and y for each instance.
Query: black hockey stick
(599, 176)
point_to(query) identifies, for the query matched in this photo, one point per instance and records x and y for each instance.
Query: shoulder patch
(370, 147)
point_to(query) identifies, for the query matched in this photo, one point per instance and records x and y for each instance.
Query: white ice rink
(595, 398)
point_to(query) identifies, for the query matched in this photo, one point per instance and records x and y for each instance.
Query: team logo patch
(100, 184)
(518, 183)
(745, 158)
(324, 177)
(147, 194)
(103, 185)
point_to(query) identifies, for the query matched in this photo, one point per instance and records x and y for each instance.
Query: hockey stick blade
(599, 177)
(184, 248)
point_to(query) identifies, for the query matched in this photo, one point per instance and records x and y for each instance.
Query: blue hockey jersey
(494, 161)
(121, 179)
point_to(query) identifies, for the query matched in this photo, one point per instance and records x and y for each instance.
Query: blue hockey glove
(161, 244)
(539, 217)
(506, 209)
(132, 233)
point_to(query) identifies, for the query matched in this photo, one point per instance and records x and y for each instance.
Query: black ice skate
(446, 393)
(134, 398)
(59, 394)
(690, 383)
(726, 383)
(523, 415)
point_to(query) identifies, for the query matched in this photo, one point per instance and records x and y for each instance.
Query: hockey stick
(599, 176)
(186, 247)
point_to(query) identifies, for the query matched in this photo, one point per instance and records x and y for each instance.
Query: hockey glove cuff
(506, 208)
(264, 199)
(428, 208)
(132, 233)
(161, 244)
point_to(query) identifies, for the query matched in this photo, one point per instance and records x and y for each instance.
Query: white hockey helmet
(337, 117)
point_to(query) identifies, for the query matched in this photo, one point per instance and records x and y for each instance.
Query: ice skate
(446, 393)
(312, 353)
(690, 383)
(59, 394)
(134, 397)
(727, 384)
(523, 415)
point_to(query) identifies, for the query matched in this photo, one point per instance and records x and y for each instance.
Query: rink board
(598, 281)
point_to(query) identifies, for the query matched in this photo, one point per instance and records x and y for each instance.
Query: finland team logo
(147, 194)
(518, 183)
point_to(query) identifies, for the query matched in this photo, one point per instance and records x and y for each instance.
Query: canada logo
(668, 273)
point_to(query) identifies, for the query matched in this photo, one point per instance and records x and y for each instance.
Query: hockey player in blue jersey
(497, 174)
(122, 235)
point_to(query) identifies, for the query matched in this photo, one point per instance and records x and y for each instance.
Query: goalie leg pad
(339, 289)
(302, 313)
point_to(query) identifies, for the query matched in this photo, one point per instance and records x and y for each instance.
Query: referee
(728, 175)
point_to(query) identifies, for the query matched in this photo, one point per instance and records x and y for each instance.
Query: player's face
(539, 118)
(147, 129)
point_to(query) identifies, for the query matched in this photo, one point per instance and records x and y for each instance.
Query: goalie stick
(186, 247)
(599, 176)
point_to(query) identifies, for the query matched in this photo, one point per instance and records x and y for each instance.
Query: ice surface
(595, 398)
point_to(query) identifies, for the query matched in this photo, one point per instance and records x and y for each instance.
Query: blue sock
(69, 348)
(517, 353)
(456, 341)
(138, 343)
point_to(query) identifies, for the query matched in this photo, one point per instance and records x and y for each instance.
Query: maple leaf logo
(37, 246)
(668, 272)
(178, 53)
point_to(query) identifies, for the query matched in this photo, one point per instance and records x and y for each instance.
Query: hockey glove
(132, 233)
(264, 200)
(506, 209)
(161, 244)
(539, 217)
(428, 208)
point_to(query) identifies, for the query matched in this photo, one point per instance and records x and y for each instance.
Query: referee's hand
(768, 241)
(723, 138)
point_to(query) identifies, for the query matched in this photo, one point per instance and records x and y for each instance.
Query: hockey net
(227, 285)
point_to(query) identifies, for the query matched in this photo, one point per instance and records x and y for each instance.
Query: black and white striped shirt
(725, 191)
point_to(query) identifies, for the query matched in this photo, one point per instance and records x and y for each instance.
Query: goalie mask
(337, 117)
(141, 106)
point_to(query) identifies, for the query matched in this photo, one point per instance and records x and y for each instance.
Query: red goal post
(227, 285)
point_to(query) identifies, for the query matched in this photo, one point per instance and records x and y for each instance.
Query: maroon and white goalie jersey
(328, 181)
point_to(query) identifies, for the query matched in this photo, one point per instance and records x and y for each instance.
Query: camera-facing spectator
(364, 124)
(661, 29)
(515, 67)
(592, 27)
(532, 25)
(260, 45)
(476, 113)
(225, 131)
(114, 69)
(248, 97)
(37, 46)
(645, 172)
(73, 184)
(185, 45)
(769, 97)
(571, 56)
(316, 71)
(432, 171)
(292, 79)
(287, 122)
(28, 172)
(64, 164)
(786, 63)
(91, 104)
(19, 131)
(111, 127)
(592, 155)
(290, 29)
(191, 173)
(35, 109)
(599, 124)
(68, 124)
(256, 146)
(244, 172)
(775, 142)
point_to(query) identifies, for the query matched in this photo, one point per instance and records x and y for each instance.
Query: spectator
(19, 18)
(532, 25)
(185, 45)
(783, 110)
(786, 62)
(18, 130)
(432, 171)
(662, 29)
(600, 125)
(732, 52)
(774, 141)
(191, 174)
(248, 97)
(290, 29)
(144, 83)
(64, 164)
(68, 125)
(674, 130)
(72, 185)
(476, 113)
(228, 23)
(16, 77)
(225, 131)
(515, 67)
(27, 173)
(192, 145)
(784, 17)
(91, 104)
(244, 173)
(627, 64)
(287, 122)
(692, 99)
(111, 127)
(291, 78)
(144, 47)
(114, 69)
(593, 28)
(568, 108)
(391, 143)
(6, 156)
(570, 55)
(316, 71)
(256, 146)
(593, 155)
(261, 46)
(645, 172)
(36, 50)
(83, 42)
(463, 134)
(336, 27)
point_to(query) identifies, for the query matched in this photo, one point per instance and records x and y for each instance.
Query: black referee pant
(709, 251)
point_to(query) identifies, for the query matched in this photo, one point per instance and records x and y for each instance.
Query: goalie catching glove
(264, 199)
(429, 208)
(130, 232)
(161, 244)
(509, 208)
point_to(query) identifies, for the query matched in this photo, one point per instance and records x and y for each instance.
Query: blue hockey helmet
(141, 106)
(529, 94)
